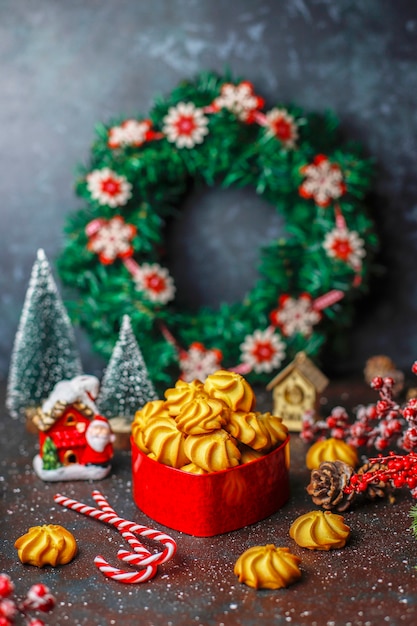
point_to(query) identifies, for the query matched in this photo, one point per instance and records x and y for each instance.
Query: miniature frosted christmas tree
(126, 386)
(44, 350)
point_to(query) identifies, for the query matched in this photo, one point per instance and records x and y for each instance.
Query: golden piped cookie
(231, 388)
(248, 454)
(192, 468)
(246, 427)
(267, 567)
(152, 409)
(162, 437)
(277, 430)
(320, 530)
(200, 416)
(214, 452)
(181, 394)
(260, 431)
(331, 450)
(50, 544)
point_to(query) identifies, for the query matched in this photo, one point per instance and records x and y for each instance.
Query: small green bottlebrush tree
(44, 350)
(126, 386)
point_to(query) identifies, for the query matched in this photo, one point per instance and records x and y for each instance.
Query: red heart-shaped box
(214, 503)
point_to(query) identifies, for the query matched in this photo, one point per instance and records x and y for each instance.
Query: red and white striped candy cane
(158, 558)
(123, 576)
(141, 557)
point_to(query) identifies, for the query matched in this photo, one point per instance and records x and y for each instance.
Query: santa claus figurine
(99, 439)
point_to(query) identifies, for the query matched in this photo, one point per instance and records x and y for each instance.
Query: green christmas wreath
(215, 131)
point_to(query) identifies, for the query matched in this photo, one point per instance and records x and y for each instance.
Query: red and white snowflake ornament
(280, 124)
(295, 315)
(198, 362)
(239, 99)
(109, 188)
(185, 125)
(323, 181)
(263, 351)
(345, 245)
(156, 282)
(130, 133)
(110, 239)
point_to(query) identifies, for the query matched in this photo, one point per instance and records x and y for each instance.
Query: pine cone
(327, 485)
(379, 489)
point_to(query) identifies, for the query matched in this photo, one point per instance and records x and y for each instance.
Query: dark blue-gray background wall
(65, 66)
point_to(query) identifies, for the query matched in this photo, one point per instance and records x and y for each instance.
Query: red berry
(377, 382)
(371, 412)
(382, 406)
(8, 609)
(39, 597)
(414, 367)
(36, 622)
(412, 482)
(6, 586)
(398, 482)
(5, 622)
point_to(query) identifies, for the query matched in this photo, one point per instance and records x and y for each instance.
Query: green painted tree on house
(50, 459)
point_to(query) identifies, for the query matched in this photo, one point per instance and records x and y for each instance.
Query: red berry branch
(396, 469)
(39, 598)
(380, 425)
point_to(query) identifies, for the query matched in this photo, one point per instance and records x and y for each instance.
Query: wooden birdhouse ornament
(296, 389)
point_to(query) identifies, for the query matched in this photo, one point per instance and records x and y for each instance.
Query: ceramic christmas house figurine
(75, 441)
(296, 389)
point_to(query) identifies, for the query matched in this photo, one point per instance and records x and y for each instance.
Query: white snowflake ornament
(263, 351)
(156, 282)
(345, 245)
(185, 125)
(280, 124)
(109, 188)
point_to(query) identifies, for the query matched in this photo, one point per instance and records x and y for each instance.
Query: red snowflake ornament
(110, 239)
(130, 133)
(295, 315)
(198, 362)
(323, 181)
(239, 99)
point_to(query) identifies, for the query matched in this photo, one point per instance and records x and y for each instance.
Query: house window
(70, 420)
(294, 394)
(70, 457)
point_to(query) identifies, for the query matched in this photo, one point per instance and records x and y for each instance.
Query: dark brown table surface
(371, 582)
